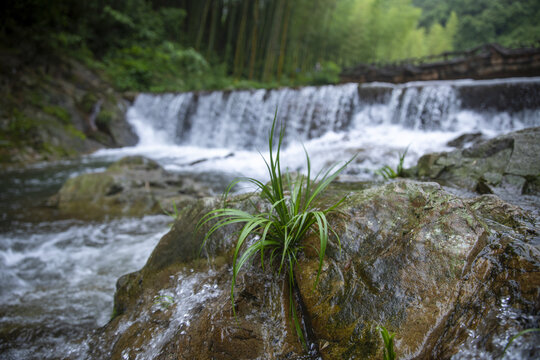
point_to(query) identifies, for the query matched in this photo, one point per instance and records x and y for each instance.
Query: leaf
(388, 341)
(521, 333)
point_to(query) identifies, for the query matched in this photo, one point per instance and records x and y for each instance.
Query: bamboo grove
(177, 45)
(266, 39)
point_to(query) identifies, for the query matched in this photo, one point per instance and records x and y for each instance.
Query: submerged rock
(511, 161)
(132, 186)
(452, 277)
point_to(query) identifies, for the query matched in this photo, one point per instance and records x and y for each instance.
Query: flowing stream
(57, 276)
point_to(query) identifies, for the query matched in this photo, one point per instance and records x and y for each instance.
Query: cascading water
(57, 277)
(223, 131)
(241, 119)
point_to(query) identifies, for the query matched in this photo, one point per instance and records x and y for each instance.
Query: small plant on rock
(388, 340)
(172, 214)
(278, 231)
(388, 173)
(163, 301)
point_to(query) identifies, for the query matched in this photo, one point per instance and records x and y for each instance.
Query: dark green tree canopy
(181, 44)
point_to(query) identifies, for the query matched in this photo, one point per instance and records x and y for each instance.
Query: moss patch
(58, 112)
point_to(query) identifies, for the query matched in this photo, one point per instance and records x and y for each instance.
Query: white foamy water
(58, 279)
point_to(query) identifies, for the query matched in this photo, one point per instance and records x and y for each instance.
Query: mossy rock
(134, 163)
(53, 107)
(413, 257)
(58, 112)
(511, 161)
(132, 186)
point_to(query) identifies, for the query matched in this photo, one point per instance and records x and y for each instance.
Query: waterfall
(224, 131)
(241, 119)
(237, 119)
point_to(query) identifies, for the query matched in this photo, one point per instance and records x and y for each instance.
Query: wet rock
(465, 140)
(133, 186)
(197, 321)
(431, 267)
(510, 161)
(452, 277)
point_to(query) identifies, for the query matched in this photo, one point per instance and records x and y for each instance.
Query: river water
(57, 276)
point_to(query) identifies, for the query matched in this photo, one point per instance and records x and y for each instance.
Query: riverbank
(57, 108)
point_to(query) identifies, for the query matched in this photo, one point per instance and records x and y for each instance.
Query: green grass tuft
(278, 232)
(173, 214)
(388, 173)
(388, 340)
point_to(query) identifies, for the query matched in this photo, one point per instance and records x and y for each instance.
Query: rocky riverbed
(453, 276)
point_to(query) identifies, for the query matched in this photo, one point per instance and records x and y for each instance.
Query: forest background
(180, 45)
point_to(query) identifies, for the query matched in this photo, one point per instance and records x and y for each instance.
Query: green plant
(328, 73)
(75, 132)
(388, 173)
(164, 301)
(388, 340)
(59, 112)
(278, 232)
(521, 333)
(173, 214)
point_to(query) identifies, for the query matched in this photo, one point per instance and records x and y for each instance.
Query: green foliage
(20, 125)
(163, 68)
(388, 173)
(87, 102)
(150, 45)
(327, 74)
(388, 340)
(104, 119)
(174, 214)
(75, 132)
(119, 17)
(164, 301)
(510, 23)
(58, 112)
(278, 232)
(56, 151)
(172, 20)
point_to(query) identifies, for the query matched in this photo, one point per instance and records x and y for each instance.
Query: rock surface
(511, 161)
(466, 140)
(452, 277)
(132, 186)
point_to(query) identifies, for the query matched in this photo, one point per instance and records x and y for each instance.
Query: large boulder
(178, 305)
(511, 161)
(132, 186)
(447, 275)
(452, 277)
